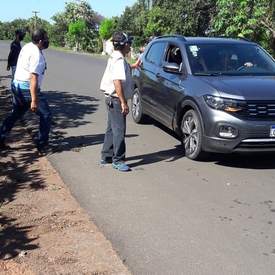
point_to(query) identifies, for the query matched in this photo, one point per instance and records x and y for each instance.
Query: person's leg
(107, 148)
(20, 107)
(44, 113)
(118, 124)
(13, 69)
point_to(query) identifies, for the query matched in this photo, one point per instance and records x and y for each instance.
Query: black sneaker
(43, 149)
(4, 146)
(106, 161)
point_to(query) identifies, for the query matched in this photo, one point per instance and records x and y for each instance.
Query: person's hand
(124, 108)
(248, 64)
(34, 105)
(8, 68)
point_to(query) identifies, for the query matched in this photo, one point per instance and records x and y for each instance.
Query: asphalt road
(169, 215)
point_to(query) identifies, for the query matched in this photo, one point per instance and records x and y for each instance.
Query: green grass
(64, 49)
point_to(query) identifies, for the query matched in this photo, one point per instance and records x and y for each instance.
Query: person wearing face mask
(26, 85)
(15, 49)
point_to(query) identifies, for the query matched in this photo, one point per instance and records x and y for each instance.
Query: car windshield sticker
(194, 50)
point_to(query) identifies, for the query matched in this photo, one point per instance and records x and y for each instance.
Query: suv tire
(192, 135)
(136, 107)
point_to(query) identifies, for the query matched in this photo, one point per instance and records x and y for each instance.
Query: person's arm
(8, 65)
(136, 64)
(10, 58)
(120, 94)
(33, 90)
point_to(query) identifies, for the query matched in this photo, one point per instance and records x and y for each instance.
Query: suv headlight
(224, 104)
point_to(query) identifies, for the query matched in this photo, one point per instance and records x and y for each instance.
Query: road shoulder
(43, 230)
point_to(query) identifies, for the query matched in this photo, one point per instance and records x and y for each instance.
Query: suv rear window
(155, 53)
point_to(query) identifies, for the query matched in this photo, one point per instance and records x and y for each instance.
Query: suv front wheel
(136, 107)
(192, 135)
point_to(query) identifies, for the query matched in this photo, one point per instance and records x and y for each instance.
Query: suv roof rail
(172, 36)
(238, 37)
(243, 38)
(229, 37)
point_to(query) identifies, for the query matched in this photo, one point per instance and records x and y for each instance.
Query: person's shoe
(4, 146)
(121, 166)
(42, 148)
(104, 162)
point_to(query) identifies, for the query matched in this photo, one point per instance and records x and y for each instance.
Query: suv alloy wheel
(192, 135)
(136, 107)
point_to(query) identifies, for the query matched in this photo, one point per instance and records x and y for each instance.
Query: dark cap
(121, 38)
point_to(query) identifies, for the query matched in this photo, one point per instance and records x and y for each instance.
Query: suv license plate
(272, 131)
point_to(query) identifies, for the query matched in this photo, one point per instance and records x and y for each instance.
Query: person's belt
(111, 96)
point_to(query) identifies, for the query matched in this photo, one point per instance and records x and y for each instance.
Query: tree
(268, 22)
(252, 19)
(187, 17)
(7, 29)
(156, 17)
(106, 28)
(77, 11)
(134, 20)
(59, 30)
(36, 23)
(125, 22)
(157, 22)
(76, 31)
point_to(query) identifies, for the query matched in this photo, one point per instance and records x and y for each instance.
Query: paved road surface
(169, 215)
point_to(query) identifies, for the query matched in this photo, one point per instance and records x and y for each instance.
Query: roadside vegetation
(79, 27)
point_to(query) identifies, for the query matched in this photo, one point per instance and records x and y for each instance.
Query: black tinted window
(230, 59)
(155, 53)
(173, 55)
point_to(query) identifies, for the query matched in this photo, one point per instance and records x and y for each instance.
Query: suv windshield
(229, 59)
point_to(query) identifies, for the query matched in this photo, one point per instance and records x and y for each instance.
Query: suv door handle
(158, 75)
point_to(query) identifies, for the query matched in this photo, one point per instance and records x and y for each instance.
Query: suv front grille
(259, 110)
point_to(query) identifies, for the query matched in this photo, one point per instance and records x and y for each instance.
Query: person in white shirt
(117, 86)
(31, 66)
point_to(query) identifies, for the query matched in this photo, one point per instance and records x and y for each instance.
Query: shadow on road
(69, 111)
(254, 160)
(246, 160)
(2, 77)
(167, 155)
(75, 143)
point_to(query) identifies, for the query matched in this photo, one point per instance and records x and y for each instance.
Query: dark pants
(21, 104)
(114, 141)
(13, 69)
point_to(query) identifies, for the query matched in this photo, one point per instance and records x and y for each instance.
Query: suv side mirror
(172, 68)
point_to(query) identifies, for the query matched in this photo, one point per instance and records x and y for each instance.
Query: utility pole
(35, 19)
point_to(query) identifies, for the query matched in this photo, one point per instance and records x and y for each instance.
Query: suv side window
(173, 55)
(155, 53)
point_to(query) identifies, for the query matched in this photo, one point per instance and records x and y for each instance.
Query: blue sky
(12, 9)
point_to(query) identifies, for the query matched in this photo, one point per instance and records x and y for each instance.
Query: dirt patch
(42, 228)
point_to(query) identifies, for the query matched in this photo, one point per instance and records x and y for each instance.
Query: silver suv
(217, 94)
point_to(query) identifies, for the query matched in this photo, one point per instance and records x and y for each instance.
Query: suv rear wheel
(192, 135)
(136, 107)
